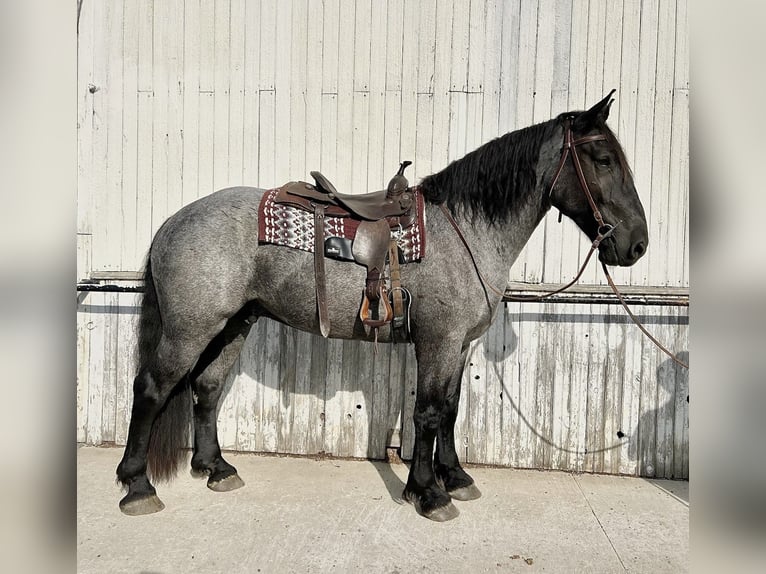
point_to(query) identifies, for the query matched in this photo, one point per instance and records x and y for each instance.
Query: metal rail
(578, 294)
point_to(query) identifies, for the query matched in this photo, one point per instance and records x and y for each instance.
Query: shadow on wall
(672, 393)
(659, 442)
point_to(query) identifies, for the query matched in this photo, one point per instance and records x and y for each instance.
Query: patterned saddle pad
(281, 224)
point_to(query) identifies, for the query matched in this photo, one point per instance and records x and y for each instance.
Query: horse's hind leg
(449, 474)
(159, 385)
(207, 381)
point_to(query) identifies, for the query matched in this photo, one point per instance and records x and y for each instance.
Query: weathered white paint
(548, 386)
(178, 98)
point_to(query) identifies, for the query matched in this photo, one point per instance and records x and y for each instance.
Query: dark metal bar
(645, 298)
(110, 288)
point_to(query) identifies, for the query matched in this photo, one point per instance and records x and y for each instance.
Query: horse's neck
(498, 245)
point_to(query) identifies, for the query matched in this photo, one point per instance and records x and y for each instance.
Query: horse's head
(594, 187)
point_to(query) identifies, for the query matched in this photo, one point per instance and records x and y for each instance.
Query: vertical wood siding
(558, 386)
(178, 98)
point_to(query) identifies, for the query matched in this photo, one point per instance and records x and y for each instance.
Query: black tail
(170, 433)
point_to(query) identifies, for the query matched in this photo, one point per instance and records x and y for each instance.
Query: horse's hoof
(231, 482)
(204, 473)
(138, 506)
(470, 492)
(440, 514)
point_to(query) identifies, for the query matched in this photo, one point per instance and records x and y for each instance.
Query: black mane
(495, 179)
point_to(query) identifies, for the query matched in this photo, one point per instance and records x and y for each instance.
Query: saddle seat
(372, 206)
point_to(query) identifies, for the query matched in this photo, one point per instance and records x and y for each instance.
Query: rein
(604, 230)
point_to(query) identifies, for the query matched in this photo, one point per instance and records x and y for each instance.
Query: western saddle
(379, 213)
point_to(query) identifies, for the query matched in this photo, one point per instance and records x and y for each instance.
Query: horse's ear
(600, 111)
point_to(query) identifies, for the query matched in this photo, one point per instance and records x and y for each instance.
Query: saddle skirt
(288, 226)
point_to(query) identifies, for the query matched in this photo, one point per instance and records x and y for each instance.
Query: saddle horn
(398, 183)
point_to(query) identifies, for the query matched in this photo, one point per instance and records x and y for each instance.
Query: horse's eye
(604, 161)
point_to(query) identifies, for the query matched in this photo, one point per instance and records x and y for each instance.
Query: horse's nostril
(638, 250)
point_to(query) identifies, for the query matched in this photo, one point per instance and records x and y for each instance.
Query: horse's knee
(427, 417)
(207, 387)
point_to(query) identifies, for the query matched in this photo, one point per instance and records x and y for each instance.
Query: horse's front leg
(449, 474)
(436, 370)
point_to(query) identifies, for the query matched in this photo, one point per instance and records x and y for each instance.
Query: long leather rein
(604, 230)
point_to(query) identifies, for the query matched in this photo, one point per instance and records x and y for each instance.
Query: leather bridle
(571, 144)
(604, 231)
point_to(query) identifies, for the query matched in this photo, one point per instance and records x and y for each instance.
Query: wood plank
(175, 110)
(426, 35)
(96, 325)
(319, 370)
(344, 168)
(630, 402)
(333, 414)
(509, 65)
(82, 393)
(656, 259)
(159, 118)
(560, 366)
(529, 337)
(269, 412)
(394, 45)
(360, 141)
(289, 358)
(228, 410)
(362, 39)
(236, 120)
(267, 176)
(248, 371)
(145, 45)
(282, 89)
(594, 437)
(423, 134)
(544, 396)
(378, 173)
(315, 137)
(192, 55)
(330, 42)
(378, 403)
(510, 384)
(109, 382)
(614, 376)
(461, 31)
(85, 49)
(99, 144)
(127, 330)
(222, 94)
(298, 62)
(112, 238)
(490, 80)
(409, 103)
(252, 103)
(477, 47)
(411, 379)
(130, 254)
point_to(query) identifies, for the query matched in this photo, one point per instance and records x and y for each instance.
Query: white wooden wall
(178, 98)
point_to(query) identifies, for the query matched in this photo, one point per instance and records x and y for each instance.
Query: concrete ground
(303, 515)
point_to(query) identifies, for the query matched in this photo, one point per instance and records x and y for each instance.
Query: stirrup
(365, 312)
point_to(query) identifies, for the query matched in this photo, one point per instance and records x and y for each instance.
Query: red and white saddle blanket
(288, 226)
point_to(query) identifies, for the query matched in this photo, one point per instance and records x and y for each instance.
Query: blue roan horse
(208, 280)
